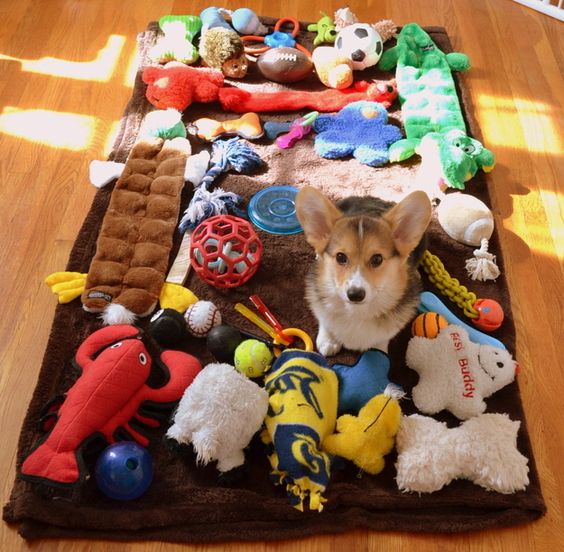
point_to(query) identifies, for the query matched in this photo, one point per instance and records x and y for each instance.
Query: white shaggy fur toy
(482, 449)
(457, 374)
(219, 414)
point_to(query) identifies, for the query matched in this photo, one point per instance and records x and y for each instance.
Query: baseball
(201, 317)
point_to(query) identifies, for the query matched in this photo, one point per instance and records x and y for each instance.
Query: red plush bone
(328, 100)
(179, 86)
(106, 397)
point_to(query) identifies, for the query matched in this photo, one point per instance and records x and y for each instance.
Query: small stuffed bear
(177, 85)
(360, 129)
(456, 374)
(223, 49)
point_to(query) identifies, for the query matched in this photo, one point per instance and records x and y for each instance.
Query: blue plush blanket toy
(360, 129)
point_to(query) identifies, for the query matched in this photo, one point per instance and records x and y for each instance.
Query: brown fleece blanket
(187, 503)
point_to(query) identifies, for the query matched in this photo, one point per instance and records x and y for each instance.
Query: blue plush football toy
(360, 129)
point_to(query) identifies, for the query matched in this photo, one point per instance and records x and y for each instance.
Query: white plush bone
(482, 449)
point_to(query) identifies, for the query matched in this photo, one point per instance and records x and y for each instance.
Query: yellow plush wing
(66, 285)
(177, 297)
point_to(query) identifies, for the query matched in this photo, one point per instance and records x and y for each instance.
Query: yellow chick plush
(365, 439)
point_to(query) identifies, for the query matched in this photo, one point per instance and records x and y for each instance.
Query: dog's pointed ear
(409, 220)
(317, 215)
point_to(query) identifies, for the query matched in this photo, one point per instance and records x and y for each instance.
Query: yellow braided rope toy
(449, 286)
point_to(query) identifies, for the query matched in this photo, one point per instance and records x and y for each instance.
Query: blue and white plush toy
(360, 129)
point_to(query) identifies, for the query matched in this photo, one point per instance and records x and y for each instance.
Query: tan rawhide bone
(133, 248)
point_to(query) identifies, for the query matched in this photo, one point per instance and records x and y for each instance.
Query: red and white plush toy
(118, 377)
(456, 374)
(177, 86)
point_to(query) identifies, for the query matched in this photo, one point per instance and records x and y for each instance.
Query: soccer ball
(361, 43)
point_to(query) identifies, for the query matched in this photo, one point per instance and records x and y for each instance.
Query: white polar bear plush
(219, 413)
(456, 374)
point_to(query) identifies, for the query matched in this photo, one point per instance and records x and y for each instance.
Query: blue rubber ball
(124, 471)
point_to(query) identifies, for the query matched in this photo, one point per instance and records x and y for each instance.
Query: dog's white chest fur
(356, 327)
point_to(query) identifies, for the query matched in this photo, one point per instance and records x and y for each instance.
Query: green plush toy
(433, 121)
(176, 43)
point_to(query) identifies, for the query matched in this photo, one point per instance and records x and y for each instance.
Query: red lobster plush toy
(178, 86)
(115, 385)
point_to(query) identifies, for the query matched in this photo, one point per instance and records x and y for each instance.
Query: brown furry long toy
(132, 253)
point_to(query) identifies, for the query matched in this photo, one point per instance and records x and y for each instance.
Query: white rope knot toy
(482, 449)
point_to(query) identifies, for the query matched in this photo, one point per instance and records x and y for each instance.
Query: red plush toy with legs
(179, 86)
(117, 385)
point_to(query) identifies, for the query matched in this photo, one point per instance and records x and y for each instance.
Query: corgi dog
(364, 285)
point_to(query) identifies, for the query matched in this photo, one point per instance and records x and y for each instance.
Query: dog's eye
(341, 258)
(376, 260)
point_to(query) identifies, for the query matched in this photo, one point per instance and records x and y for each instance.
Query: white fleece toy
(482, 449)
(456, 374)
(219, 414)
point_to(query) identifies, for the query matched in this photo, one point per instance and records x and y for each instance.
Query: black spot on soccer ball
(379, 48)
(361, 33)
(339, 42)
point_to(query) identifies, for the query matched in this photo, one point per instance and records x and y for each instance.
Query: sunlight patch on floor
(537, 122)
(56, 129)
(100, 69)
(111, 136)
(131, 71)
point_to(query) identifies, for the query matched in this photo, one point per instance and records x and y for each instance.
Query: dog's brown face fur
(361, 249)
(366, 246)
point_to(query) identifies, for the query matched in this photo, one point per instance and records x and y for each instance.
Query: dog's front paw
(326, 345)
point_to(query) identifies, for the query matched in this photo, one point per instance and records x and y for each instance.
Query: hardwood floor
(65, 76)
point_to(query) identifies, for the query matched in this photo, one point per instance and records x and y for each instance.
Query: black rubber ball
(222, 342)
(168, 328)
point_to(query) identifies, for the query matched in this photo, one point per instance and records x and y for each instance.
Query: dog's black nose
(356, 295)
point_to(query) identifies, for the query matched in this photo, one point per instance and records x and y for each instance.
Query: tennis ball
(428, 324)
(252, 358)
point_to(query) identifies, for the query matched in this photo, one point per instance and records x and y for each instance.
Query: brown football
(284, 65)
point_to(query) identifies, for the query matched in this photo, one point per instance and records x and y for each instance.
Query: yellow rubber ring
(296, 332)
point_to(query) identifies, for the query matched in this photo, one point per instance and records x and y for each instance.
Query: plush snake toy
(433, 120)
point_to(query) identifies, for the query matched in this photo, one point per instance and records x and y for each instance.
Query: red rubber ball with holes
(225, 251)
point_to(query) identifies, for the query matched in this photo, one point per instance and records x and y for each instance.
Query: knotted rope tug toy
(232, 154)
(485, 314)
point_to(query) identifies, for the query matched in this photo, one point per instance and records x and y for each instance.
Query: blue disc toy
(274, 210)
(124, 471)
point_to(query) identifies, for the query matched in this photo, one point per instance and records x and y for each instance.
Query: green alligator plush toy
(433, 121)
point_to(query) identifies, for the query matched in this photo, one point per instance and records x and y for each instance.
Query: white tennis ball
(253, 358)
(201, 317)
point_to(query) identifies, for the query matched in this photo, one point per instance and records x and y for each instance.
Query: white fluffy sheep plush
(456, 374)
(219, 414)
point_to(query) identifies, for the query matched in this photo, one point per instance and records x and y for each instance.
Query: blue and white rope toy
(231, 154)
